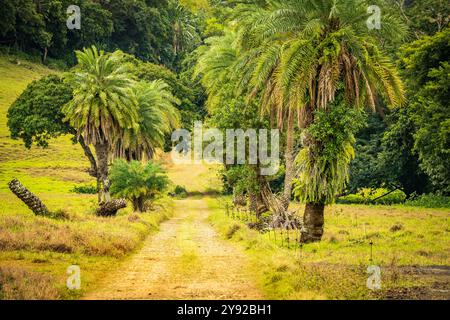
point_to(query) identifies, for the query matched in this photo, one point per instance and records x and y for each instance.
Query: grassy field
(411, 246)
(35, 252)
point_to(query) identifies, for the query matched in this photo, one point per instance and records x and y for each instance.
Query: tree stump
(32, 201)
(110, 209)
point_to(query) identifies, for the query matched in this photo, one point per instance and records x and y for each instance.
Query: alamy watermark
(256, 147)
(74, 17)
(374, 280)
(374, 21)
(74, 280)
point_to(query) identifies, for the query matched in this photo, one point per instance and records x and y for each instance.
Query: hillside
(35, 252)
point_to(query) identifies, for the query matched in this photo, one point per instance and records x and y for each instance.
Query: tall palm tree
(158, 116)
(103, 105)
(184, 29)
(298, 54)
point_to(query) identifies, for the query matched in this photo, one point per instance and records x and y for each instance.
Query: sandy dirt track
(186, 259)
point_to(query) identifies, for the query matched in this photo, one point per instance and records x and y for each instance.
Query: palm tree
(298, 54)
(184, 29)
(103, 105)
(158, 116)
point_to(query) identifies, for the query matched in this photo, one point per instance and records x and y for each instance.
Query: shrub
(179, 192)
(84, 189)
(137, 182)
(430, 201)
(374, 196)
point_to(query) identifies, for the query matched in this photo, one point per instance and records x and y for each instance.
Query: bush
(137, 182)
(430, 201)
(84, 189)
(179, 192)
(372, 196)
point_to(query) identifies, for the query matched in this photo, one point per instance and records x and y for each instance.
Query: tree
(137, 182)
(36, 116)
(426, 17)
(190, 103)
(385, 156)
(229, 111)
(425, 66)
(103, 105)
(158, 117)
(398, 163)
(300, 55)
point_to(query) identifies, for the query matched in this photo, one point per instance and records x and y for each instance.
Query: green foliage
(137, 181)
(426, 68)
(146, 29)
(323, 164)
(374, 196)
(84, 189)
(187, 92)
(428, 16)
(429, 201)
(157, 117)
(365, 168)
(397, 163)
(36, 116)
(103, 102)
(179, 192)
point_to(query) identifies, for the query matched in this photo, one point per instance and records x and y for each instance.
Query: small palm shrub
(179, 192)
(139, 183)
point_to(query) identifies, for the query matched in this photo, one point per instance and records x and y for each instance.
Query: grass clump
(84, 189)
(22, 284)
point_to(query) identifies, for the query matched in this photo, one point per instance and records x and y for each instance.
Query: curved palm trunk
(101, 149)
(28, 198)
(90, 156)
(313, 221)
(109, 209)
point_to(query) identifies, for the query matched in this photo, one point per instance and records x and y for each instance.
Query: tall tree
(103, 105)
(158, 116)
(299, 54)
(36, 116)
(426, 68)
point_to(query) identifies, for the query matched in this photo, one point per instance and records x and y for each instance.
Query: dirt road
(186, 259)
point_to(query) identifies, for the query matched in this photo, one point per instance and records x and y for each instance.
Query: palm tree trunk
(139, 204)
(109, 209)
(289, 157)
(313, 221)
(28, 198)
(101, 149)
(90, 156)
(313, 218)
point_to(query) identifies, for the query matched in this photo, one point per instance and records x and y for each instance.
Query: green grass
(35, 252)
(336, 267)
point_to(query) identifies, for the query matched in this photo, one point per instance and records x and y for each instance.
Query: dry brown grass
(90, 235)
(22, 284)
